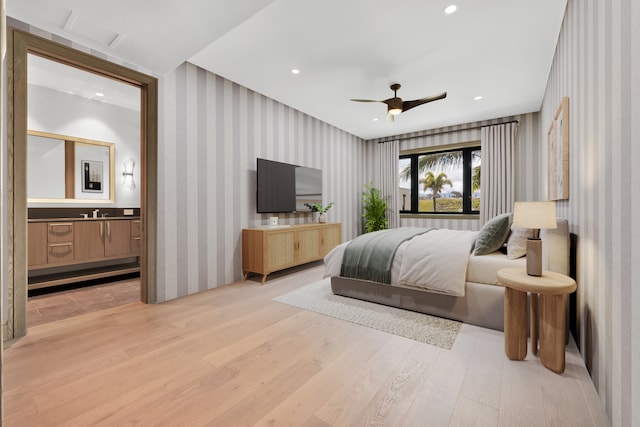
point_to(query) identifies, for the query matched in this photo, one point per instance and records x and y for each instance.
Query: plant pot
(322, 218)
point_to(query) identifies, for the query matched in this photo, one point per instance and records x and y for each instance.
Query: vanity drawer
(60, 232)
(60, 252)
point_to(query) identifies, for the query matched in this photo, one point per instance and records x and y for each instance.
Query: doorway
(20, 45)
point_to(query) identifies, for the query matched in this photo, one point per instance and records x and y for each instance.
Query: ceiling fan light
(394, 106)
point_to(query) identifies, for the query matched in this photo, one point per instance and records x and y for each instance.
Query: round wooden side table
(553, 289)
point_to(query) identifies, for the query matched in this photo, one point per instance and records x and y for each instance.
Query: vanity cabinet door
(88, 240)
(37, 244)
(117, 238)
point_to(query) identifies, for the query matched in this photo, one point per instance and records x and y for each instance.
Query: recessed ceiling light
(477, 98)
(450, 9)
(375, 120)
(100, 94)
(295, 71)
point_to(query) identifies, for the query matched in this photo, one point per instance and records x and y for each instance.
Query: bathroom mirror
(64, 168)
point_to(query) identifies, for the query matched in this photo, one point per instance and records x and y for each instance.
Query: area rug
(318, 297)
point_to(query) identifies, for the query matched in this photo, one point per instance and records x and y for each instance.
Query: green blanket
(369, 256)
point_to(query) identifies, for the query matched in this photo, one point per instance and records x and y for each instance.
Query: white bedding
(443, 273)
(437, 261)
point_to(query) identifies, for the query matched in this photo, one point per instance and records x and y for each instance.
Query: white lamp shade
(534, 215)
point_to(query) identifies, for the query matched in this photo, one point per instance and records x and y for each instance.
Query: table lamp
(534, 216)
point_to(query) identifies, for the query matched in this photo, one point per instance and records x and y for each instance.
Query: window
(445, 181)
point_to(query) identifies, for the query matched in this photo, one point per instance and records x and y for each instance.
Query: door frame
(19, 44)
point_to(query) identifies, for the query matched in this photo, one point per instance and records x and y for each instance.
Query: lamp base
(534, 257)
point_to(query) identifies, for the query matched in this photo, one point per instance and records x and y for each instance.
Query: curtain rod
(445, 132)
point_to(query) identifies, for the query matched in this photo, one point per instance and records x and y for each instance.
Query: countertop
(107, 218)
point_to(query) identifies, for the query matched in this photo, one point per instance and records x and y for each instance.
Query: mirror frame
(70, 170)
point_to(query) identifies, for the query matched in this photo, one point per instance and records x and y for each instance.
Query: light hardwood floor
(234, 357)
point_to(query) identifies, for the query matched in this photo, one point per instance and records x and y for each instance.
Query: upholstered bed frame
(482, 305)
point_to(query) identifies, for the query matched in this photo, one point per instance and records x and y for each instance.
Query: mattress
(484, 268)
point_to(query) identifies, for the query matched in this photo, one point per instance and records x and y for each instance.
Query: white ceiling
(74, 81)
(498, 49)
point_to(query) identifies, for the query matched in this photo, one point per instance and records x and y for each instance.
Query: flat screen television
(283, 187)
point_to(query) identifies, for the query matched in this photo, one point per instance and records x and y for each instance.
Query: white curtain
(497, 179)
(389, 179)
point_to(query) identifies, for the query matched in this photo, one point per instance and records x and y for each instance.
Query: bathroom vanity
(68, 250)
(79, 227)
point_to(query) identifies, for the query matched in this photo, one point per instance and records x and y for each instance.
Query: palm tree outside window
(445, 181)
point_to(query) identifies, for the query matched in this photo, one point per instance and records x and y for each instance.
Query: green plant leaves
(375, 210)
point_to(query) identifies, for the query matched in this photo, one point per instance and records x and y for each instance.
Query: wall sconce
(127, 180)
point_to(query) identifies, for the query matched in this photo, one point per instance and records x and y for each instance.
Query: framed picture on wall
(92, 177)
(558, 154)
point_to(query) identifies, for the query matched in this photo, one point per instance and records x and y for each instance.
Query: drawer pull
(136, 238)
(55, 245)
(60, 224)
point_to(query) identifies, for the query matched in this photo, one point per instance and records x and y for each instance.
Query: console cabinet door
(281, 250)
(331, 237)
(88, 240)
(117, 239)
(309, 247)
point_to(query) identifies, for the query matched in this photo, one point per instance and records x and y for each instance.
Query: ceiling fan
(396, 105)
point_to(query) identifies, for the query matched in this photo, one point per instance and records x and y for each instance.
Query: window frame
(467, 170)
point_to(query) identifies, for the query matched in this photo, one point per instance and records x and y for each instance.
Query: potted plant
(322, 210)
(375, 210)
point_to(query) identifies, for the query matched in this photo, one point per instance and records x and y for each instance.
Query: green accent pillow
(493, 235)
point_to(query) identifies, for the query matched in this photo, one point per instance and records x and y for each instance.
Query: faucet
(104, 215)
(95, 213)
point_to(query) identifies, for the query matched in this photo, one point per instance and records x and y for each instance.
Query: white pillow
(517, 242)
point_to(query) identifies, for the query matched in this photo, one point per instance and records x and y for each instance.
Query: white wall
(61, 113)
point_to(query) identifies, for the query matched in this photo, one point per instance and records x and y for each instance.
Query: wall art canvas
(558, 153)
(92, 177)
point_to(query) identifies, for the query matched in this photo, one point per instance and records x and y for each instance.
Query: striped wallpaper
(211, 132)
(597, 65)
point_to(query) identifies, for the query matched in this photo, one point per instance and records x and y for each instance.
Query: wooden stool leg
(533, 322)
(552, 331)
(515, 324)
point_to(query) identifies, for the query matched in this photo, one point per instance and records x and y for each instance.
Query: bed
(476, 297)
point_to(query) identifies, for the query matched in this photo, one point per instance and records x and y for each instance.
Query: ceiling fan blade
(407, 105)
(365, 100)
